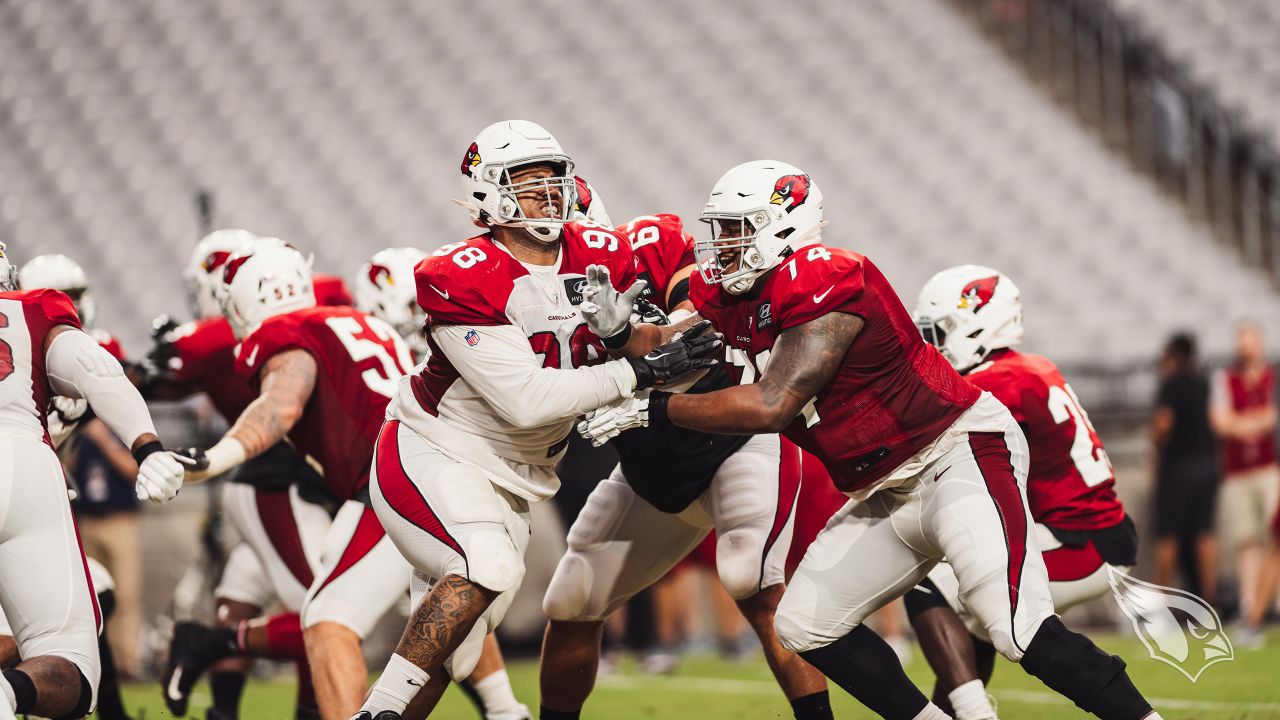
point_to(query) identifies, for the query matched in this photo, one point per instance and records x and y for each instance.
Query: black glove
(646, 312)
(196, 457)
(695, 349)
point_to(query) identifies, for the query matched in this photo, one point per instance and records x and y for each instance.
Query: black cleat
(384, 715)
(192, 650)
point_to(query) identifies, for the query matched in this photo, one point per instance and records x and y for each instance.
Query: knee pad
(739, 563)
(600, 517)
(493, 562)
(795, 626)
(924, 596)
(1071, 664)
(569, 593)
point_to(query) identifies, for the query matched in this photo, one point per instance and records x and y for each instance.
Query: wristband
(146, 450)
(226, 454)
(618, 340)
(658, 408)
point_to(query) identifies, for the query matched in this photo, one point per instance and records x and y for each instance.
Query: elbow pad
(80, 368)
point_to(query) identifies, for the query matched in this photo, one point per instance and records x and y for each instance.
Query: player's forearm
(548, 396)
(741, 410)
(264, 423)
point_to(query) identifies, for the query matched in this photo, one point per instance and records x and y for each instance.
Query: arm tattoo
(287, 381)
(442, 621)
(805, 358)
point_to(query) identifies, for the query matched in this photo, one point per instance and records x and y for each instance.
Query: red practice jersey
(205, 361)
(331, 290)
(26, 318)
(662, 249)
(1070, 484)
(893, 393)
(359, 360)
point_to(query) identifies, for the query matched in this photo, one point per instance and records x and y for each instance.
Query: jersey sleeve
(57, 309)
(1012, 392)
(816, 282)
(662, 248)
(273, 337)
(464, 287)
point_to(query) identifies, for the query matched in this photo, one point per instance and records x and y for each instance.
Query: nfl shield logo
(472, 337)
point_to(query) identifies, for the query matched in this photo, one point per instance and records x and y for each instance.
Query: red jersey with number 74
(892, 395)
(1070, 484)
(359, 362)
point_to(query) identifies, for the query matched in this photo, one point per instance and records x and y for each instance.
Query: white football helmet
(263, 280)
(8, 272)
(967, 312)
(487, 190)
(60, 272)
(764, 210)
(588, 206)
(205, 265)
(385, 288)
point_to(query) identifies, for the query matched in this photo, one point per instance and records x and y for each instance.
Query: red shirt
(26, 319)
(892, 395)
(662, 249)
(1243, 395)
(1070, 483)
(359, 360)
(206, 362)
(331, 290)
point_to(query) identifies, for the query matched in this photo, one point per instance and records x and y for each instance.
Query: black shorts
(1186, 497)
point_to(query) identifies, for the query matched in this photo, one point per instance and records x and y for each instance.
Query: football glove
(695, 349)
(607, 311)
(607, 422)
(160, 473)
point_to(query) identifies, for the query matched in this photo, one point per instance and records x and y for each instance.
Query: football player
(671, 488)
(276, 501)
(474, 435)
(323, 376)
(973, 315)
(937, 465)
(385, 289)
(44, 582)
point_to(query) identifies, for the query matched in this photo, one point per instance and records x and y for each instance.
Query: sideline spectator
(1186, 487)
(1242, 411)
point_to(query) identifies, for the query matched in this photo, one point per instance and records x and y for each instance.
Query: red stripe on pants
(367, 534)
(992, 455)
(400, 492)
(275, 510)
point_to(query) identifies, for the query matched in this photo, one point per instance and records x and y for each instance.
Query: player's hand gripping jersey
(26, 317)
(359, 360)
(1070, 485)
(893, 394)
(512, 361)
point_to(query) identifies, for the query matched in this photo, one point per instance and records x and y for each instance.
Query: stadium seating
(340, 125)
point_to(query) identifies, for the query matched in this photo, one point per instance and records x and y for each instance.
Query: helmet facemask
(557, 212)
(8, 272)
(732, 255)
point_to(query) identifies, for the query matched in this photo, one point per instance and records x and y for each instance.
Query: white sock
(932, 712)
(498, 697)
(400, 682)
(1153, 715)
(970, 702)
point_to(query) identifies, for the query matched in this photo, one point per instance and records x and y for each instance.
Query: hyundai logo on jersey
(764, 316)
(472, 337)
(573, 288)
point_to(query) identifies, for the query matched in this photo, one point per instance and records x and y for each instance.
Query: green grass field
(711, 689)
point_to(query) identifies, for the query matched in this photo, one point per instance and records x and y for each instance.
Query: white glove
(607, 422)
(160, 477)
(65, 416)
(607, 311)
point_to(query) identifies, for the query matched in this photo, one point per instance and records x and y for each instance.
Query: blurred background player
(385, 289)
(673, 487)
(1186, 473)
(475, 435)
(44, 584)
(973, 315)
(323, 376)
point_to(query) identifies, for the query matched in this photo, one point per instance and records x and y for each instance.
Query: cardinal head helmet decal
(790, 191)
(977, 293)
(1178, 628)
(471, 159)
(584, 195)
(380, 275)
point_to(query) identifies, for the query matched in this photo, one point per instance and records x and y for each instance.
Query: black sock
(227, 689)
(545, 714)
(469, 689)
(24, 691)
(110, 704)
(813, 707)
(866, 667)
(1072, 665)
(223, 642)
